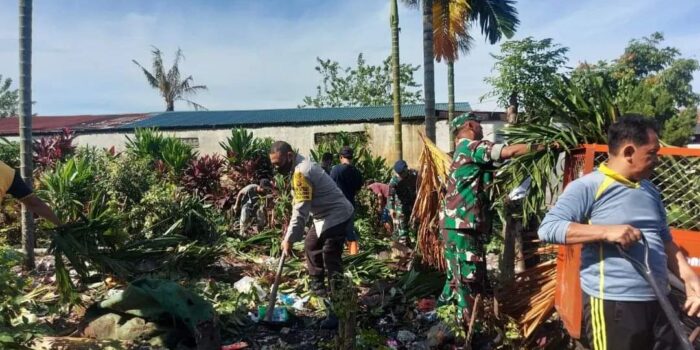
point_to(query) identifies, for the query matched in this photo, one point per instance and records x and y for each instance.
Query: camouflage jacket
(402, 192)
(466, 203)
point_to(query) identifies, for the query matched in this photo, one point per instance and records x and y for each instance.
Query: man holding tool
(314, 193)
(464, 220)
(609, 211)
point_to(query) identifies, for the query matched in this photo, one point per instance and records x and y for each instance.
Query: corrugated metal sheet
(209, 119)
(44, 124)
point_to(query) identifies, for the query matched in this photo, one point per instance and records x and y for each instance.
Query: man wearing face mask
(314, 193)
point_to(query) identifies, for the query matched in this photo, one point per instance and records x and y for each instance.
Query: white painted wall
(302, 137)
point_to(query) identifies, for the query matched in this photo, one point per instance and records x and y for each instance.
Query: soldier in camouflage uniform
(464, 218)
(402, 195)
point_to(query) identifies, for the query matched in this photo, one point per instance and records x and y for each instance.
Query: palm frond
(496, 18)
(149, 76)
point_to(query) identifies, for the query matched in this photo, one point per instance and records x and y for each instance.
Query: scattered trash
(285, 330)
(293, 300)
(392, 344)
(235, 346)
(279, 314)
(245, 285)
(405, 337)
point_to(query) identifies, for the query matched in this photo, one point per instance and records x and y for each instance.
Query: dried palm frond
(434, 167)
(530, 299)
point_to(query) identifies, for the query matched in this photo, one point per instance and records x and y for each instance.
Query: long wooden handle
(273, 292)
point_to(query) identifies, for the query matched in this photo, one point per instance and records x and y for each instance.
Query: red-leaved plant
(202, 176)
(50, 150)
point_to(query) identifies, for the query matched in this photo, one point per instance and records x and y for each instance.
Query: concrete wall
(302, 137)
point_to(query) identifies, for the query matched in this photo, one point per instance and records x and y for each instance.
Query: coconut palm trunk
(25, 122)
(451, 99)
(395, 80)
(428, 69)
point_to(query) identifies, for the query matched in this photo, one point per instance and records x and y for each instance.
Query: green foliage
(176, 154)
(649, 79)
(581, 112)
(9, 99)
(364, 85)
(68, 187)
(230, 305)
(9, 152)
(242, 146)
(678, 130)
(527, 70)
(15, 329)
(166, 208)
(128, 177)
(153, 145)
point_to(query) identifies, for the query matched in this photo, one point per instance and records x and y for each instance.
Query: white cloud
(256, 58)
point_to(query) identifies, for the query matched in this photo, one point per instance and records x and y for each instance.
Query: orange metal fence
(677, 177)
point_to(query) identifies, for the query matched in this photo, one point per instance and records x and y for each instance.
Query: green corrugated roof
(248, 118)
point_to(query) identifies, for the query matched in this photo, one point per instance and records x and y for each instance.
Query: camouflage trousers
(466, 271)
(401, 225)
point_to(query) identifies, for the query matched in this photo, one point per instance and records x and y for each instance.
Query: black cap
(400, 166)
(346, 152)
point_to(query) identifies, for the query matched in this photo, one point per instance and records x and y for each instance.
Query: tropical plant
(14, 329)
(151, 144)
(579, 116)
(202, 176)
(363, 85)
(9, 99)
(176, 155)
(170, 84)
(68, 187)
(242, 145)
(50, 150)
(127, 178)
(146, 143)
(9, 152)
(679, 129)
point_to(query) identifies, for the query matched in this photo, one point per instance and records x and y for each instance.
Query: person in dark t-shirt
(349, 180)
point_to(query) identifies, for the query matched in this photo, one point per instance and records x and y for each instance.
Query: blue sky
(261, 54)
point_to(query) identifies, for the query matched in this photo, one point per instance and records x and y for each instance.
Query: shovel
(273, 293)
(645, 271)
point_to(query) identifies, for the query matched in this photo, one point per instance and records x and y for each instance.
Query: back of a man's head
(280, 147)
(630, 128)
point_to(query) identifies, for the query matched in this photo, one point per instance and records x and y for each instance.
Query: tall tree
(363, 85)
(526, 72)
(452, 20)
(25, 123)
(9, 99)
(396, 80)
(428, 70)
(171, 85)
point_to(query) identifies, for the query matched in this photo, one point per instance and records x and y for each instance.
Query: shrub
(50, 150)
(67, 187)
(202, 176)
(155, 147)
(128, 178)
(242, 146)
(9, 152)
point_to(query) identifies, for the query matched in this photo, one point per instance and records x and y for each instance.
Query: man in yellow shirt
(11, 183)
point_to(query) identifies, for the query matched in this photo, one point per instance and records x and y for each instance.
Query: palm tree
(171, 87)
(451, 22)
(25, 123)
(395, 80)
